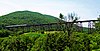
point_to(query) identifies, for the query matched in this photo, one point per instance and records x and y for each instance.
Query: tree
(97, 26)
(72, 17)
(61, 16)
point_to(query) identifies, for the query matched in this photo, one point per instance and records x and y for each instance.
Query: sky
(85, 9)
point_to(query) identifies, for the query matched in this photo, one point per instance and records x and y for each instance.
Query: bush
(51, 42)
(5, 33)
(57, 41)
(17, 43)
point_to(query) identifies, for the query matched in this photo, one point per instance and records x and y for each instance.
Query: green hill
(26, 17)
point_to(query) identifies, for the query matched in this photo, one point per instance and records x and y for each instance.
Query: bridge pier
(90, 27)
(79, 27)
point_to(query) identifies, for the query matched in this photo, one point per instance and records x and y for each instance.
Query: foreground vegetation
(51, 42)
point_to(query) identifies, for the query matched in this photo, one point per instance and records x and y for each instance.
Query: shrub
(5, 33)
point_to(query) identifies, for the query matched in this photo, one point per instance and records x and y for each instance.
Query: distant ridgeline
(26, 17)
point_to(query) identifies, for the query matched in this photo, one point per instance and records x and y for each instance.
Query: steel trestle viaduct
(78, 23)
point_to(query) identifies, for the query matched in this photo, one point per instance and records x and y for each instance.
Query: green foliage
(40, 44)
(18, 43)
(58, 41)
(26, 17)
(97, 26)
(61, 16)
(5, 33)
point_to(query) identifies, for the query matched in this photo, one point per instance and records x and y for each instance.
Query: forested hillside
(26, 17)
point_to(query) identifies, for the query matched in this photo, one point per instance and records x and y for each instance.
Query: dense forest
(45, 40)
(26, 17)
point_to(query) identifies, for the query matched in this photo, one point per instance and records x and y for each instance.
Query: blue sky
(86, 9)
